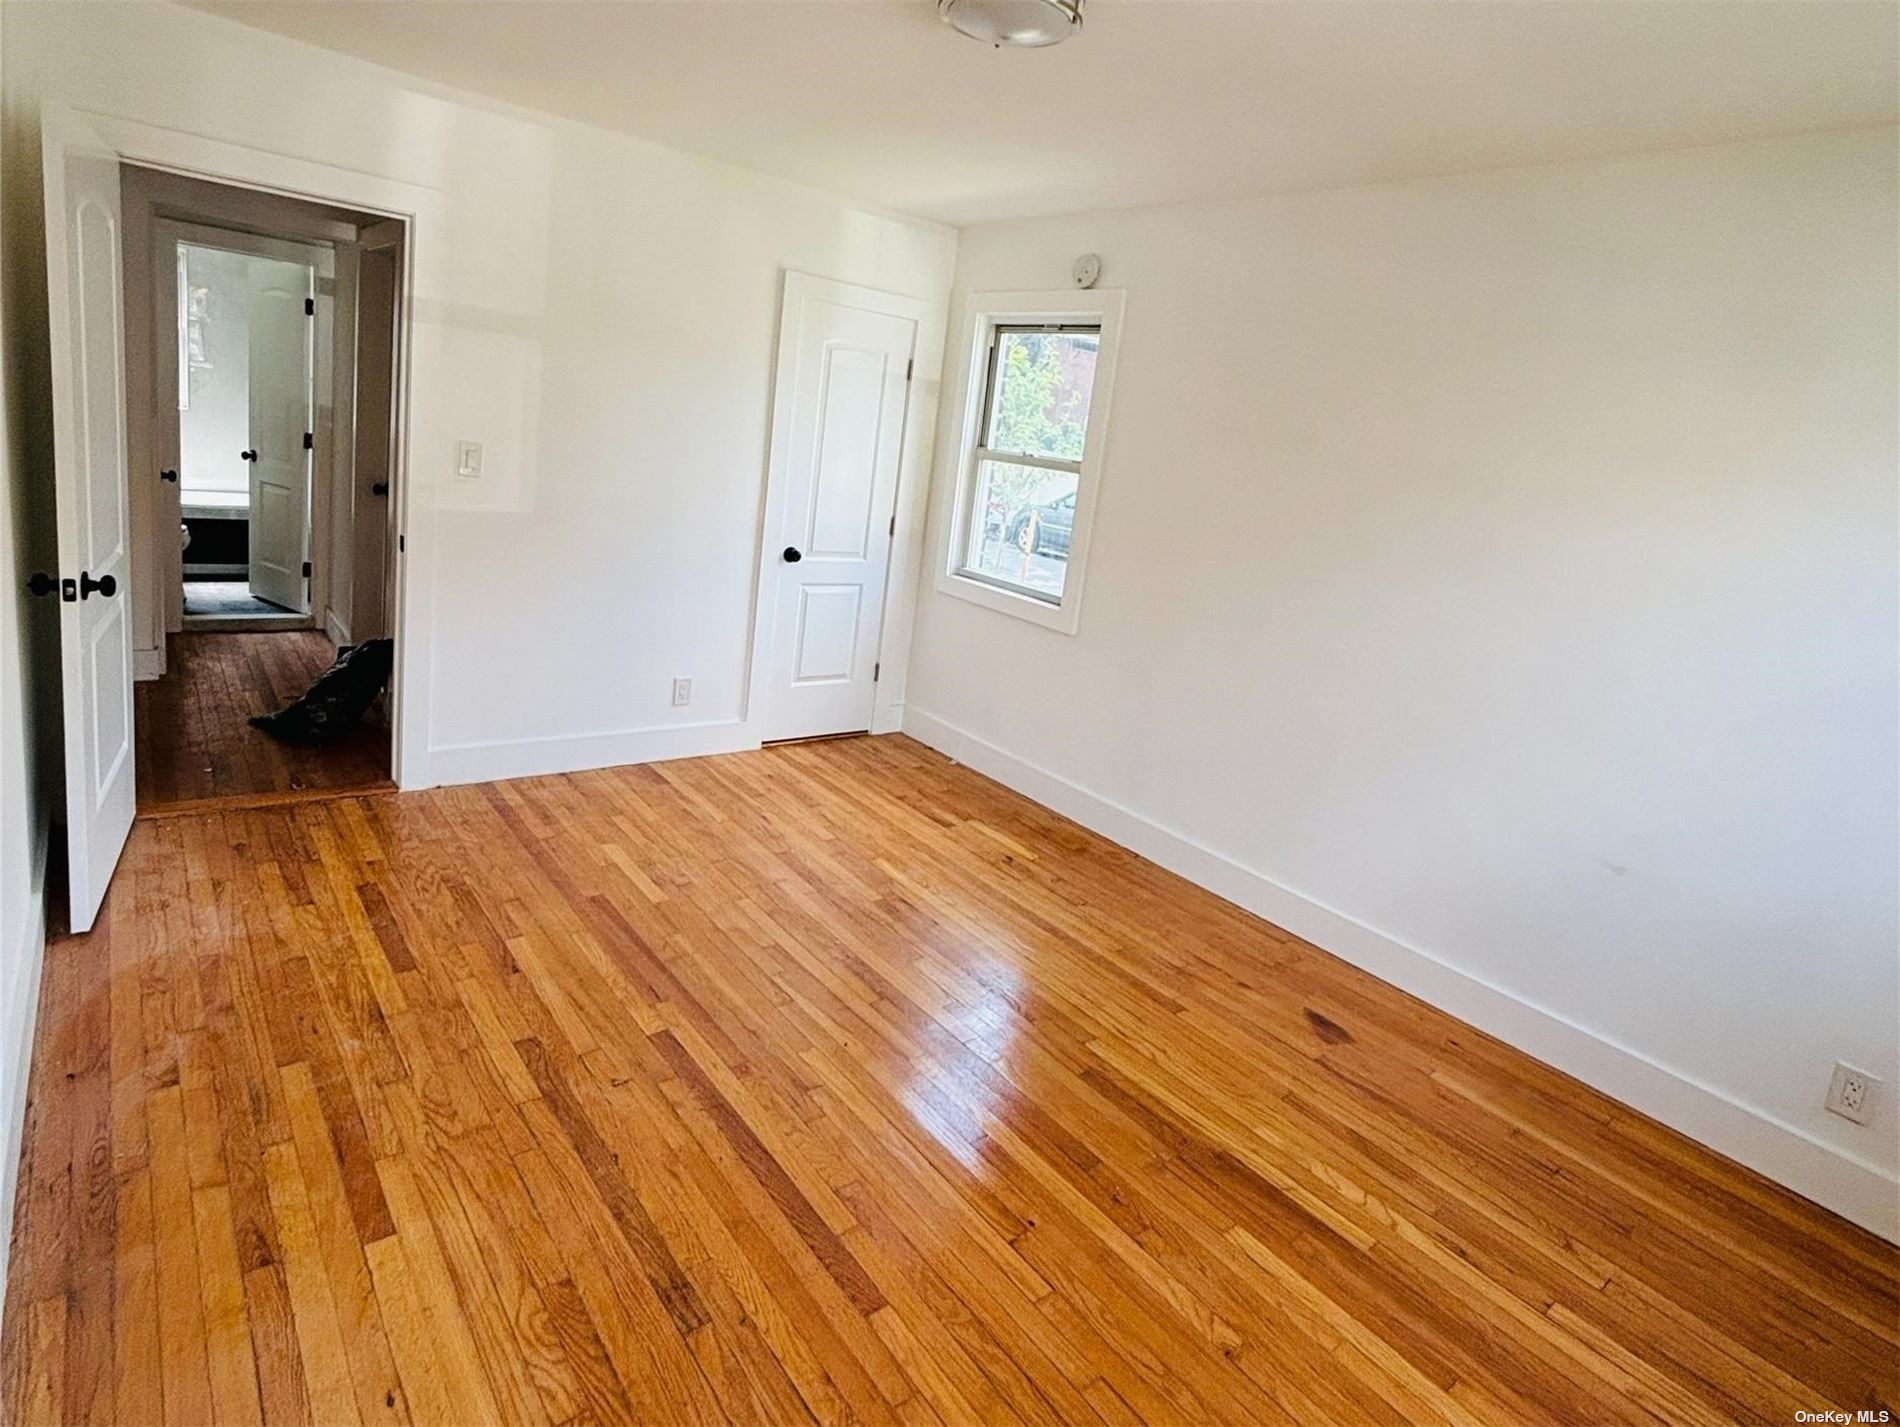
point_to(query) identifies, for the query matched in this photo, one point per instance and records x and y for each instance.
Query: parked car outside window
(1043, 529)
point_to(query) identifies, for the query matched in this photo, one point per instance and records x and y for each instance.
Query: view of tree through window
(1023, 510)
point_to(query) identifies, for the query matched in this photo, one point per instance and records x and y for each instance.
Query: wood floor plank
(830, 1084)
(281, 1382)
(469, 1390)
(229, 1348)
(41, 1393)
(181, 1324)
(342, 1244)
(320, 1340)
(136, 1368)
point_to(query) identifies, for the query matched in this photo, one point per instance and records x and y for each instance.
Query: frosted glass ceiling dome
(1027, 24)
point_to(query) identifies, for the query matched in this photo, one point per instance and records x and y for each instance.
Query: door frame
(165, 436)
(908, 506)
(423, 211)
(150, 196)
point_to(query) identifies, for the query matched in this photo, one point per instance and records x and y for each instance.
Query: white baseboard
(530, 757)
(338, 631)
(1851, 1187)
(22, 957)
(148, 664)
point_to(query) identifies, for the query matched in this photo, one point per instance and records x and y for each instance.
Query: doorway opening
(261, 351)
(245, 320)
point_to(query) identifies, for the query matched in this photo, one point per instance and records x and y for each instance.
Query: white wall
(599, 312)
(1494, 580)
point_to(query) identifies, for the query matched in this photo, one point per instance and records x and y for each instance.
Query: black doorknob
(41, 585)
(379, 488)
(171, 476)
(105, 585)
(247, 455)
(793, 554)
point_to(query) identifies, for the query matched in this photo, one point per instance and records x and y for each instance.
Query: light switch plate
(468, 459)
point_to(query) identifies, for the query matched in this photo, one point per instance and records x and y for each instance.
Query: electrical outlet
(682, 692)
(1851, 1092)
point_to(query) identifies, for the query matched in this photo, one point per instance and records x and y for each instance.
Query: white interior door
(281, 420)
(86, 338)
(844, 365)
(372, 531)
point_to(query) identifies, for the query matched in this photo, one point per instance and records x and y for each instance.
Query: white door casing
(281, 416)
(86, 340)
(423, 210)
(844, 363)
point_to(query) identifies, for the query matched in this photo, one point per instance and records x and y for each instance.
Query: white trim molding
(983, 313)
(1851, 1187)
(25, 951)
(574, 753)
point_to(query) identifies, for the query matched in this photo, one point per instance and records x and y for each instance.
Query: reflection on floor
(836, 1084)
(194, 741)
(227, 597)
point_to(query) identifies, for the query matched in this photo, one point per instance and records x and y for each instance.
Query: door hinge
(402, 544)
(310, 307)
(875, 668)
(306, 569)
(910, 369)
(893, 529)
(310, 440)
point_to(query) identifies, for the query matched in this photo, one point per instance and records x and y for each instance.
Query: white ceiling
(1156, 100)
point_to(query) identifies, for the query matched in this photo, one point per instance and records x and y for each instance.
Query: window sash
(990, 383)
(964, 569)
(984, 451)
(1019, 458)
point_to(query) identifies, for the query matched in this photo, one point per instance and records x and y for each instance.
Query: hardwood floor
(836, 1084)
(194, 741)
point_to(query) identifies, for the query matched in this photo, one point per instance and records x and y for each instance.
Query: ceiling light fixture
(1027, 24)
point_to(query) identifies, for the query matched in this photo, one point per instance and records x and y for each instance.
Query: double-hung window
(1031, 456)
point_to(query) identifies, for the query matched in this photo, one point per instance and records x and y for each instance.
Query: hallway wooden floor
(835, 1084)
(194, 741)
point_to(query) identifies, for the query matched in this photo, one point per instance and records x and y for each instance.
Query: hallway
(195, 744)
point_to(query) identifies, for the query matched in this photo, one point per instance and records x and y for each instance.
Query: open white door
(87, 340)
(280, 455)
(378, 357)
(844, 364)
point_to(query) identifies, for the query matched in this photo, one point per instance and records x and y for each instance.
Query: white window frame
(986, 312)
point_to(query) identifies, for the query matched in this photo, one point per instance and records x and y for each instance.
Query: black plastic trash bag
(336, 703)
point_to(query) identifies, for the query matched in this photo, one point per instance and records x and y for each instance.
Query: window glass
(1039, 394)
(1021, 512)
(1020, 526)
